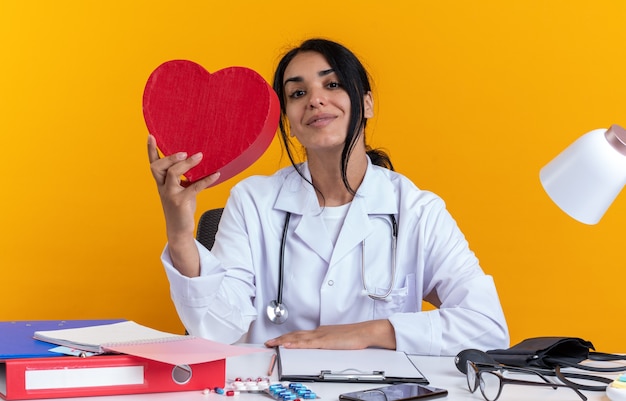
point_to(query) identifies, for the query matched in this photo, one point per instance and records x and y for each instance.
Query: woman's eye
(296, 94)
(334, 85)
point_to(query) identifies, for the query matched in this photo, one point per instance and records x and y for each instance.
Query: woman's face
(317, 106)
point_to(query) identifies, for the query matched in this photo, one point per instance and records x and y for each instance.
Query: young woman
(334, 252)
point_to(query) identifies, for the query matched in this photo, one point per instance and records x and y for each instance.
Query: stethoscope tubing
(394, 244)
(277, 312)
(283, 242)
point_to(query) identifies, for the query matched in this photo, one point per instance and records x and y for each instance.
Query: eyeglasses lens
(472, 380)
(490, 385)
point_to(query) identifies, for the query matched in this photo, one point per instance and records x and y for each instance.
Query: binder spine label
(42, 379)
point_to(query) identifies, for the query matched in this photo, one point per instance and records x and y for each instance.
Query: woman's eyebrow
(293, 79)
(322, 73)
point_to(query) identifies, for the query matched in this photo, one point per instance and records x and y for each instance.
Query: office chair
(207, 227)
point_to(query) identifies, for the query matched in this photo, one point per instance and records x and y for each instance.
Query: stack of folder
(28, 370)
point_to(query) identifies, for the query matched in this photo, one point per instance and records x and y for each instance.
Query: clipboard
(371, 365)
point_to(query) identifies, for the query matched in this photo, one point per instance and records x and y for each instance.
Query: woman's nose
(316, 99)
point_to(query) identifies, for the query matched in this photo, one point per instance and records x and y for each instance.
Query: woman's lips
(320, 119)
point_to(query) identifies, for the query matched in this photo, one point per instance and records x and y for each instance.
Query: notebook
(135, 339)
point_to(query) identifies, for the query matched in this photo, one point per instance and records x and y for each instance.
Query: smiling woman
(318, 110)
(346, 80)
(471, 100)
(346, 219)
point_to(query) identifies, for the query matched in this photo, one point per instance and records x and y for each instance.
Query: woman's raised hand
(179, 204)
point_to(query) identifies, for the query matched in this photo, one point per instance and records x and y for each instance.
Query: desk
(440, 371)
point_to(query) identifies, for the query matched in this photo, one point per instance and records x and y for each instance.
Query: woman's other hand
(373, 333)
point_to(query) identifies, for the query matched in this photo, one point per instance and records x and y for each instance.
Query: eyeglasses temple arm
(553, 385)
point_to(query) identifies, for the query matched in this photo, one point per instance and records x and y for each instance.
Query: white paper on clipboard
(369, 365)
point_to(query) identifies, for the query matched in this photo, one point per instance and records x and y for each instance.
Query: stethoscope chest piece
(277, 312)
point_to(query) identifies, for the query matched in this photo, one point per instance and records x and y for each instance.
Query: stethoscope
(277, 311)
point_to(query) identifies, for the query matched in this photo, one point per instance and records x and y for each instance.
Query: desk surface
(440, 371)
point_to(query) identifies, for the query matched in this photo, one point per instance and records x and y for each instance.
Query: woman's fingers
(178, 164)
(376, 333)
(205, 182)
(167, 171)
(153, 154)
(170, 168)
(160, 166)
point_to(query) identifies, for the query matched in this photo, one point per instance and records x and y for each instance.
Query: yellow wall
(472, 99)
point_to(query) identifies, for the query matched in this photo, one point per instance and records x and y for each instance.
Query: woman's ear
(368, 105)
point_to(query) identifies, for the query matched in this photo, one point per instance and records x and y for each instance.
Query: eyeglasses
(490, 381)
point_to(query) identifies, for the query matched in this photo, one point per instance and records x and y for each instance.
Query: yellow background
(472, 99)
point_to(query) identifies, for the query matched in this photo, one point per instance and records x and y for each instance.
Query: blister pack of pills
(291, 392)
(276, 390)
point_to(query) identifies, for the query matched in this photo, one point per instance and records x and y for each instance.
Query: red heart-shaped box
(230, 116)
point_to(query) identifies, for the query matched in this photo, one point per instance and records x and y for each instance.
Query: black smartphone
(395, 392)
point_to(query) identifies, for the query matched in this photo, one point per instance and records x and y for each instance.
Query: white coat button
(331, 283)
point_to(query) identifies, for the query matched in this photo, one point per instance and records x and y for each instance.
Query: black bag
(550, 352)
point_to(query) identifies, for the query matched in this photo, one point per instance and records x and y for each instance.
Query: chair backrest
(207, 227)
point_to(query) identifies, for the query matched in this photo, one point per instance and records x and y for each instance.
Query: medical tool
(277, 311)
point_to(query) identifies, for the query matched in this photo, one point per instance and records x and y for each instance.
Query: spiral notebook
(131, 338)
